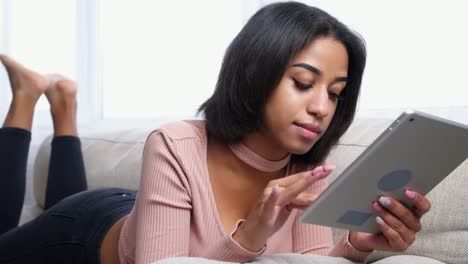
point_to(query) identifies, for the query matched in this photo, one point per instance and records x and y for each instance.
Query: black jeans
(76, 220)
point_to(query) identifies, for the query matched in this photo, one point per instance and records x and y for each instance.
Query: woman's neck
(248, 156)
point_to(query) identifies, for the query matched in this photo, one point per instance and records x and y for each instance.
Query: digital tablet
(417, 151)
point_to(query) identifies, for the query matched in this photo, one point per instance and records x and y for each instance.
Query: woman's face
(302, 106)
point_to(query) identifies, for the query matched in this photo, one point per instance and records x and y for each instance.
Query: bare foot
(27, 86)
(24, 82)
(61, 95)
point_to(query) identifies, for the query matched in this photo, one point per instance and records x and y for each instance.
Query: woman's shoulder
(184, 129)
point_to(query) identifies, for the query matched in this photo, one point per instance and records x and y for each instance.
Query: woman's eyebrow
(341, 79)
(308, 67)
(317, 71)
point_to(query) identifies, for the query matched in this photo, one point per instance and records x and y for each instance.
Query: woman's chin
(300, 149)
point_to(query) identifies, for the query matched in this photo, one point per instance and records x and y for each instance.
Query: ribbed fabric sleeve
(163, 204)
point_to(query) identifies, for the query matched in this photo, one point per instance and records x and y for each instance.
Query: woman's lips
(307, 131)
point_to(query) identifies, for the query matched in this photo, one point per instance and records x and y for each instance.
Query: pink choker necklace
(257, 162)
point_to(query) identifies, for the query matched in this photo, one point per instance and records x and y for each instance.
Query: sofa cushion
(302, 259)
(267, 259)
(408, 259)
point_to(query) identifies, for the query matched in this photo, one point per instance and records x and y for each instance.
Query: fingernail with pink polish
(317, 172)
(377, 206)
(410, 194)
(329, 167)
(275, 188)
(274, 191)
(384, 201)
(379, 220)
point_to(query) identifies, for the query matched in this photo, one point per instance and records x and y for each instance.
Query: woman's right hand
(274, 207)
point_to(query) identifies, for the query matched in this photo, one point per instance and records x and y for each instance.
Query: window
(42, 36)
(149, 59)
(163, 58)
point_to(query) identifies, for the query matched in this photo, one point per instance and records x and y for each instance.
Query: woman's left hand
(398, 224)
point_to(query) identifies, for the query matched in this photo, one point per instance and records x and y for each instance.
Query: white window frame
(5, 48)
(88, 59)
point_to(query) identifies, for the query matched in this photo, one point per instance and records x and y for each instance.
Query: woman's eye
(300, 85)
(335, 96)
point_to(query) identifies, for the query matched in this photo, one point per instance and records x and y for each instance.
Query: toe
(8, 62)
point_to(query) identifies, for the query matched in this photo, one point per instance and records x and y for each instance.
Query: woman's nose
(319, 103)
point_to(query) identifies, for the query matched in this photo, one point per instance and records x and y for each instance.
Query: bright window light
(162, 58)
(416, 50)
(42, 36)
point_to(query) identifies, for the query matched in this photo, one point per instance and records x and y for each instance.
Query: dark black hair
(255, 62)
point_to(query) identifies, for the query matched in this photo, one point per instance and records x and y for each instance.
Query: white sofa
(114, 159)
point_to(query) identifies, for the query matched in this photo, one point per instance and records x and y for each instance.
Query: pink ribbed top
(175, 212)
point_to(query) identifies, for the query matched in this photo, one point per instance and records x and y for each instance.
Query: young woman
(230, 187)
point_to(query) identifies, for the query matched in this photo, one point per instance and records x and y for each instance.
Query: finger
(395, 241)
(401, 212)
(407, 234)
(303, 199)
(288, 180)
(378, 241)
(291, 192)
(291, 179)
(267, 193)
(290, 207)
(270, 203)
(329, 167)
(421, 204)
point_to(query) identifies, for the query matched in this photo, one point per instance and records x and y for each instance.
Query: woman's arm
(163, 203)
